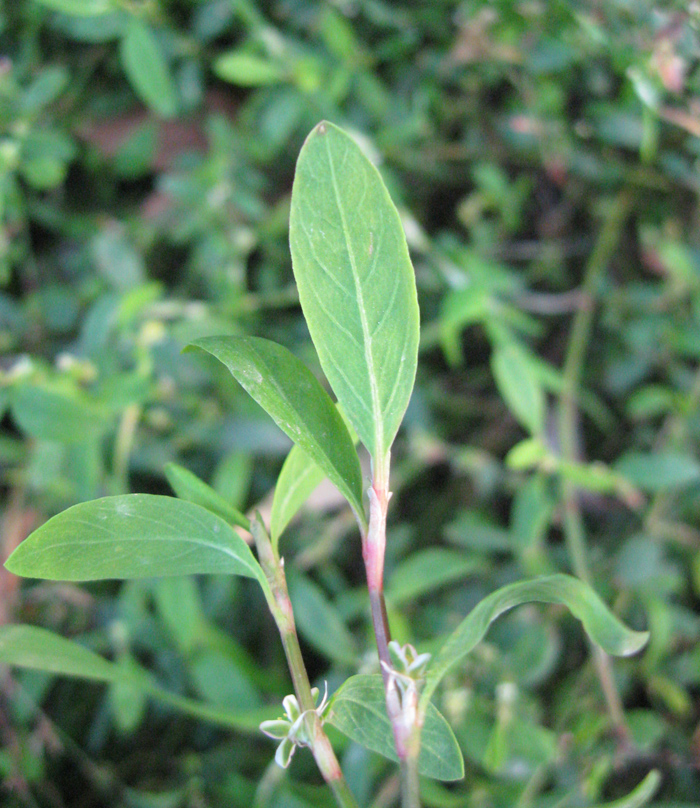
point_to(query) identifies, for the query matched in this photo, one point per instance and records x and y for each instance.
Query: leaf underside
(599, 622)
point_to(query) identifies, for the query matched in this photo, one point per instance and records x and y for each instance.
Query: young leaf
(297, 480)
(38, 649)
(188, 486)
(599, 622)
(356, 283)
(287, 390)
(147, 68)
(358, 710)
(133, 536)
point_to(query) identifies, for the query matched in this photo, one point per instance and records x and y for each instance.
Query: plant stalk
(280, 605)
(410, 789)
(568, 416)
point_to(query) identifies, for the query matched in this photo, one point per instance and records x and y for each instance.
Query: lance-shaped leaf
(358, 710)
(133, 536)
(287, 390)
(599, 622)
(188, 486)
(38, 649)
(356, 283)
(297, 480)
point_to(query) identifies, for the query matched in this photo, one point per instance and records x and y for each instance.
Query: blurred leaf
(147, 69)
(42, 650)
(358, 710)
(599, 622)
(79, 8)
(319, 622)
(178, 604)
(356, 284)
(519, 385)
(287, 390)
(427, 570)
(658, 472)
(247, 70)
(188, 486)
(46, 413)
(133, 536)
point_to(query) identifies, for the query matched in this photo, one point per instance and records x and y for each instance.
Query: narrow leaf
(247, 70)
(297, 480)
(599, 622)
(287, 390)
(188, 486)
(356, 283)
(428, 570)
(79, 8)
(147, 68)
(641, 794)
(133, 536)
(358, 710)
(38, 649)
(519, 386)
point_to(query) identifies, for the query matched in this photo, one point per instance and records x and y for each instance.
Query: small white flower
(292, 730)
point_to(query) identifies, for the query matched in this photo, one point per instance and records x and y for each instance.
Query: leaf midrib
(378, 428)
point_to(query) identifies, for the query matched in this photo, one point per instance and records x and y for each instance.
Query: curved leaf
(356, 283)
(287, 390)
(189, 487)
(38, 649)
(639, 796)
(599, 622)
(133, 536)
(358, 710)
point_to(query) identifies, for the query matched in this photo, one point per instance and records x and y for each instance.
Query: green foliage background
(544, 156)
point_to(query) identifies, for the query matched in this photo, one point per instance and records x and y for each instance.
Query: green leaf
(189, 487)
(428, 570)
(297, 480)
(56, 415)
(133, 536)
(287, 390)
(519, 385)
(640, 796)
(147, 68)
(657, 472)
(599, 622)
(39, 649)
(356, 284)
(247, 70)
(318, 621)
(358, 710)
(79, 8)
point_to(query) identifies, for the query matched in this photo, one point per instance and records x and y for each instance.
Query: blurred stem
(123, 444)
(280, 605)
(568, 416)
